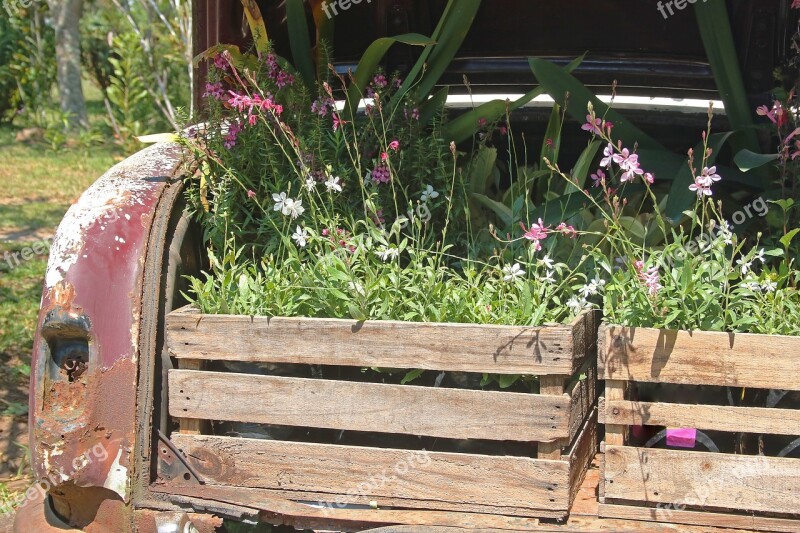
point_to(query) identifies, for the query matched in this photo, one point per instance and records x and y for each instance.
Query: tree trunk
(66, 19)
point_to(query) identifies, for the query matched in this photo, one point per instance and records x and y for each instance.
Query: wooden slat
(282, 511)
(583, 397)
(553, 386)
(710, 480)
(698, 518)
(436, 412)
(699, 358)
(581, 455)
(188, 425)
(708, 417)
(425, 476)
(454, 347)
(615, 391)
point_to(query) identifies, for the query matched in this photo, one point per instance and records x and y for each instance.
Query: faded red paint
(82, 431)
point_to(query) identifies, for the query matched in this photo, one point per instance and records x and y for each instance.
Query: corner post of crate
(615, 391)
(552, 386)
(191, 426)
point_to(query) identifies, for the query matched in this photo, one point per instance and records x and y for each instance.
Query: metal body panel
(82, 423)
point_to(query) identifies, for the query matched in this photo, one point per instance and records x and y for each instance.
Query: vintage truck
(101, 432)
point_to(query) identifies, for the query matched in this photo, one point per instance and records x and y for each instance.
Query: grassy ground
(39, 185)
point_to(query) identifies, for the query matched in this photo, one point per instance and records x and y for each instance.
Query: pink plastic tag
(682, 438)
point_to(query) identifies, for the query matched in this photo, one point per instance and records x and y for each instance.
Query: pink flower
(384, 156)
(699, 186)
(337, 121)
(232, 135)
(650, 277)
(795, 4)
(221, 62)
(252, 120)
(649, 178)
(593, 125)
(599, 178)
(380, 81)
(710, 176)
(381, 174)
(567, 231)
(481, 122)
(214, 90)
(776, 115)
(537, 233)
(251, 194)
(608, 152)
(394, 145)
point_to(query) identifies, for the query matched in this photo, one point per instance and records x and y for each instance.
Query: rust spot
(62, 295)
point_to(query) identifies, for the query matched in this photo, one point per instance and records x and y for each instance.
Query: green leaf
(480, 169)
(787, 239)
(553, 135)
(434, 105)
(454, 29)
(368, 65)
(714, 24)
(299, 40)
(583, 166)
(465, 125)
(507, 380)
(411, 376)
(747, 160)
(502, 211)
(257, 27)
(560, 209)
(557, 82)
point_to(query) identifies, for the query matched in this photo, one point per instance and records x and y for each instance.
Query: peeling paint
(117, 479)
(121, 187)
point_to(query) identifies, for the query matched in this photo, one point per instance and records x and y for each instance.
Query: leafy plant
(703, 276)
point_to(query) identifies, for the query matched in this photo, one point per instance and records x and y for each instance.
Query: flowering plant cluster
(310, 210)
(696, 276)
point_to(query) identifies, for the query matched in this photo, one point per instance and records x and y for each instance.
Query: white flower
(387, 254)
(429, 194)
(310, 184)
(760, 256)
(575, 304)
(549, 277)
(546, 261)
(753, 285)
(293, 208)
(333, 183)
(745, 265)
(769, 286)
(300, 237)
(513, 272)
(280, 201)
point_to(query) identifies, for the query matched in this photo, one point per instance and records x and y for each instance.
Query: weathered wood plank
(708, 417)
(407, 409)
(615, 391)
(697, 518)
(553, 386)
(379, 473)
(188, 425)
(286, 512)
(581, 455)
(583, 396)
(454, 347)
(710, 480)
(699, 358)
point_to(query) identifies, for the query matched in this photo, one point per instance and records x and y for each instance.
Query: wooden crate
(684, 486)
(558, 425)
